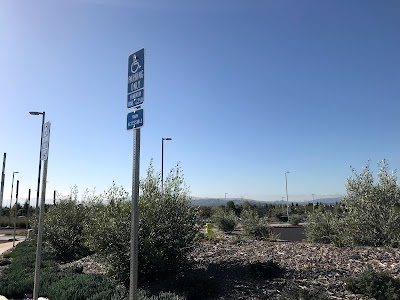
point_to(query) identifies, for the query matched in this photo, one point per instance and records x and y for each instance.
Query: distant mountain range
(218, 202)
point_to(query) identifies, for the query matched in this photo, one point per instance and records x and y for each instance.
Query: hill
(218, 202)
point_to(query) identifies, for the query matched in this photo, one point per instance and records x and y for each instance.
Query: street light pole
(162, 161)
(313, 202)
(36, 113)
(287, 196)
(12, 188)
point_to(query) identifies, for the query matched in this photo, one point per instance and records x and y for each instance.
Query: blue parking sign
(135, 90)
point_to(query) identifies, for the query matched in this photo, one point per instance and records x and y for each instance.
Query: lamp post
(36, 113)
(162, 161)
(313, 202)
(225, 197)
(12, 188)
(287, 196)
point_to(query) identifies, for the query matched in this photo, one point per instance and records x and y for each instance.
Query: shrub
(295, 220)
(166, 227)
(266, 270)
(225, 220)
(326, 228)
(379, 286)
(295, 293)
(369, 215)
(255, 226)
(63, 228)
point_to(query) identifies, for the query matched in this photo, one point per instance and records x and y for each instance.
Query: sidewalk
(7, 246)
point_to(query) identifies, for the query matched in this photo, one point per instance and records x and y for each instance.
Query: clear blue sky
(246, 89)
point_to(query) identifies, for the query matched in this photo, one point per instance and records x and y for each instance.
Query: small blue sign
(134, 119)
(136, 78)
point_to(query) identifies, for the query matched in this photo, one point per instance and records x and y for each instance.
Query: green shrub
(63, 228)
(295, 293)
(295, 220)
(225, 220)
(379, 286)
(166, 227)
(255, 226)
(368, 216)
(266, 270)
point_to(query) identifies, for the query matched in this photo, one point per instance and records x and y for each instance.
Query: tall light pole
(162, 161)
(2, 185)
(12, 189)
(36, 113)
(313, 202)
(287, 196)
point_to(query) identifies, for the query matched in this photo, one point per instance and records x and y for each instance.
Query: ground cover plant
(17, 280)
(377, 285)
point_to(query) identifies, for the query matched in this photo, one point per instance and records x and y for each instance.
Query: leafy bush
(369, 214)
(63, 228)
(295, 293)
(225, 220)
(255, 226)
(295, 220)
(379, 286)
(166, 227)
(326, 228)
(266, 270)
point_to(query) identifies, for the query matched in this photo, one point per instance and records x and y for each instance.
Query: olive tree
(166, 226)
(368, 216)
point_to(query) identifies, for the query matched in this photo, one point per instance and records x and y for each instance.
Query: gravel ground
(308, 266)
(220, 269)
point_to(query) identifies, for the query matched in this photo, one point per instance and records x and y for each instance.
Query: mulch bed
(220, 269)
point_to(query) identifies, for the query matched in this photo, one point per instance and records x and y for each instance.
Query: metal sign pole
(134, 217)
(2, 185)
(40, 234)
(27, 210)
(15, 212)
(44, 157)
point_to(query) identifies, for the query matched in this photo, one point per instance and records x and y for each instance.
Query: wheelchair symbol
(135, 63)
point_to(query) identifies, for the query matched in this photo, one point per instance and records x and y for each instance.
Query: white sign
(44, 150)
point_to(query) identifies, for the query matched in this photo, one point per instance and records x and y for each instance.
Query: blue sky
(246, 90)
